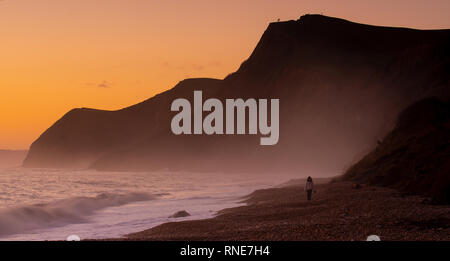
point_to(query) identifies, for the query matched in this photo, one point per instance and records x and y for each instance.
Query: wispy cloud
(103, 84)
(197, 67)
(172, 67)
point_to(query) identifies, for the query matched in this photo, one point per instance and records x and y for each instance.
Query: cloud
(104, 84)
(172, 67)
(197, 67)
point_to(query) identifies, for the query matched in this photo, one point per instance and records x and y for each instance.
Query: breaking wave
(62, 212)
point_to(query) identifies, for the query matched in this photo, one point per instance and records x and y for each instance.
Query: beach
(338, 211)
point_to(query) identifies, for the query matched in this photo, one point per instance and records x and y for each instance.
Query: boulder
(182, 213)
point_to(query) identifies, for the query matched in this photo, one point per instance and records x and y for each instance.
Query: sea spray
(62, 212)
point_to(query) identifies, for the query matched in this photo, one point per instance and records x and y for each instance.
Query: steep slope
(414, 157)
(340, 85)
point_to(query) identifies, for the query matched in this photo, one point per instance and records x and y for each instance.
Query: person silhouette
(309, 186)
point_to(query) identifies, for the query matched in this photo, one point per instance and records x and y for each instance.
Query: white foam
(52, 205)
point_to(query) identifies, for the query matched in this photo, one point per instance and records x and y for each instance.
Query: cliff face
(414, 157)
(340, 85)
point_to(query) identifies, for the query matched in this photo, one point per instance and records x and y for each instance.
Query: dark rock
(182, 213)
(413, 157)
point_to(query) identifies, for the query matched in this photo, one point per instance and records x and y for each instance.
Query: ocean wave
(62, 212)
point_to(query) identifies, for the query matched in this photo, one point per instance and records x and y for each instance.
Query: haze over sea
(42, 204)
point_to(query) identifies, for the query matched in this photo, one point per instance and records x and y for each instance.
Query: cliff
(341, 86)
(414, 157)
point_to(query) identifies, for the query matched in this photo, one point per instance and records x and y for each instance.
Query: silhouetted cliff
(341, 86)
(414, 157)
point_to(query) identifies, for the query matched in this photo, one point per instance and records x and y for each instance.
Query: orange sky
(107, 54)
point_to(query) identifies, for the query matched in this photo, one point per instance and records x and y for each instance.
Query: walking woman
(309, 186)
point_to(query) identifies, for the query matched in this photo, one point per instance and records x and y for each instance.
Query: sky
(56, 55)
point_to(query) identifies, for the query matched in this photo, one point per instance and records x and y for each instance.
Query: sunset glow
(108, 54)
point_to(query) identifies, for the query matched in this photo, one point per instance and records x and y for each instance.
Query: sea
(46, 204)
